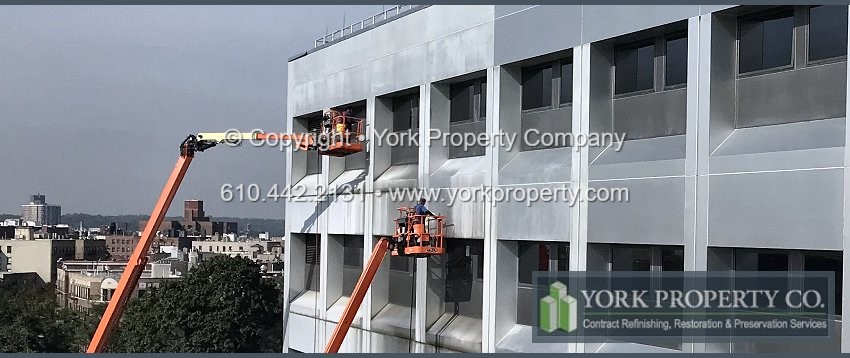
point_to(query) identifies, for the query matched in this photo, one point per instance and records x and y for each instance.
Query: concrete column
(580, 163)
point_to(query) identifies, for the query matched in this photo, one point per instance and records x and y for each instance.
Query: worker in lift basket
(418, 210)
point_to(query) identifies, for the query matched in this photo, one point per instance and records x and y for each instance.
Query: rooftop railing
(363, 24)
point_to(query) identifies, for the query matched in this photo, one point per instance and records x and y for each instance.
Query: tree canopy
(222, 305)
(33, 322)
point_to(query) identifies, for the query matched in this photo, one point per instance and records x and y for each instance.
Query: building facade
(39, 212)
(83, 285)
(120, 247)
(37, 255)
(195, 223)
(735, 158)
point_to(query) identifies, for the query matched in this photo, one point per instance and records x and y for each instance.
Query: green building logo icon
(558, 310)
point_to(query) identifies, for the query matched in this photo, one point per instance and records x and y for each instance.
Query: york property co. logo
(558, 310)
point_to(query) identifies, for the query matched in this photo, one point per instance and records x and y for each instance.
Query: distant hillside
(274, 227)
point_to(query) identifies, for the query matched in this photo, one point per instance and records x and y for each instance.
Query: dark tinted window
(772, 262)
(405, 113)
(566, 83)
(827, 262)
(672, 259)
(827, 32)
(461, 103)
(483, 102)
(634, 69)
(537, 87)
(676, 63)
(765, 41)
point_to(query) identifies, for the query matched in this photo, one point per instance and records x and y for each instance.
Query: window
(537, 87)
(827, 32)
(634, 68)
(765, 41)
(461, 103)
(826, 262)
(8, 249)
(541, 257)
(566, 84)
(676, 61)
(467, 114)
(400, 263)
(406, 113)
(468, 101)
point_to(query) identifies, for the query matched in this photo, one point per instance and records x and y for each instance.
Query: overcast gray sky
(94, 101)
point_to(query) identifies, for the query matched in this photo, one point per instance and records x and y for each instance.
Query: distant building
(80, 285)
(90, 249)
(36, 255)
(120, 247)
(39, 212)
(264, 252)
(195, 223)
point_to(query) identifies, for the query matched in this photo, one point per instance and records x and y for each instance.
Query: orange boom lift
(416, 235)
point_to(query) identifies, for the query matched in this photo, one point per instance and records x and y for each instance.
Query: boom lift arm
(138, 260)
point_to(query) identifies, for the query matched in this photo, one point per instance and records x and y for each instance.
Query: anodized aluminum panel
(349, 181)
(790, 160)
(431, 24)
(398, 176)
(384, 214)
(518, 340)
(823, 133)
(461, 172)
(643, 150)
(538, 166)
(651, 115)
(302, 339)
(345, 214)
(654, 214)
(815, 92)
(304, 215)
(539, 221)
(553, 121)
(464, 219)
(606, 21)
(785, 210)
(535, 31)
(476, 45)
(642, 158)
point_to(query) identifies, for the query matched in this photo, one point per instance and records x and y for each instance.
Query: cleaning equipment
(322, 141)
(416, 236)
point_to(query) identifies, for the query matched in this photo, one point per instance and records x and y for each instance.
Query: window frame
(635, 45)
(475, 97)
(659, 72)
(795, 16)
(808, 22)
(538, 67)
(673, 36)
(555, 80)
(414, 100)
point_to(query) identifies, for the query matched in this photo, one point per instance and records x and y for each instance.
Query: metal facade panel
(816, 92)
(654, 213)
(785, 209)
